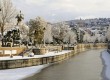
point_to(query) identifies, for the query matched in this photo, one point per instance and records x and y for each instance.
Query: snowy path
(36, 56)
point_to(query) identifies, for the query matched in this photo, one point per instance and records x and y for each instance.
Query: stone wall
(18, 63)
(54, 48)
(18, 50)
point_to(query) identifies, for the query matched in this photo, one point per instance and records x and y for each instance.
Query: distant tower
(80, 23)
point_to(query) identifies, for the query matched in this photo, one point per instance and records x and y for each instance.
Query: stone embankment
(46, 59)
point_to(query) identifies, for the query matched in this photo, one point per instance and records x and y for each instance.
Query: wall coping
(36, 56)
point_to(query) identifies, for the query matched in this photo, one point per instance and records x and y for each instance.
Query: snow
(20, 73)
(36, 56)
(9, 51)
(106, 58)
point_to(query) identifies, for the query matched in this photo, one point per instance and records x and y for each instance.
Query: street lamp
(67, 45)
(11, 56)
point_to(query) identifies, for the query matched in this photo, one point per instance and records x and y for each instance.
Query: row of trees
(94, 38)
(40, 30)
(64, 33)
(59, 33)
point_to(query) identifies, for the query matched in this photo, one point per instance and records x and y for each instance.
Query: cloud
(35, 2)
(85, 17)
(53, 14)
(59, 10)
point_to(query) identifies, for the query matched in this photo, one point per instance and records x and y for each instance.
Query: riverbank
(38, 62)
(106, 62)
(48, 58)
(85, 66)
(20, 73)
(79, 67)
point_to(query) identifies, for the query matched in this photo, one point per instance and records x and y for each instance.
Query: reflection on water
(85, 66)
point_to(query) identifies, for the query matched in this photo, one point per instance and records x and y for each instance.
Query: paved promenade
(54, 53)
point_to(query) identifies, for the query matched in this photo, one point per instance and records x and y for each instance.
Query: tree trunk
(2, 28)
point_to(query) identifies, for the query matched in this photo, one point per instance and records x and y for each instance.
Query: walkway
(85, 66)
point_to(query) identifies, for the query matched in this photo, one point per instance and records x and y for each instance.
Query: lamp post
(67, 45)
(11, 56)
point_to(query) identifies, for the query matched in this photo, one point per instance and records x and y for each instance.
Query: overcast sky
(60, 10)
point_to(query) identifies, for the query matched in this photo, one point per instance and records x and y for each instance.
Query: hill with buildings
(96, 22)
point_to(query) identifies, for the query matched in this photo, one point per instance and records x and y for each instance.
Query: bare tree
(8, 12)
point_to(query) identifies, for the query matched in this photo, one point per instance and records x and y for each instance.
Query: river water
(84, 66)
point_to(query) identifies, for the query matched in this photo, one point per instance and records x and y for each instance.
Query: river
(84, 66)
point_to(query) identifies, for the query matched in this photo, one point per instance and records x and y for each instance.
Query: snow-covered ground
(20, 73)
(106, 58)
(36, 56)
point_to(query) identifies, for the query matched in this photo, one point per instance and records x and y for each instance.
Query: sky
(63, 10)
